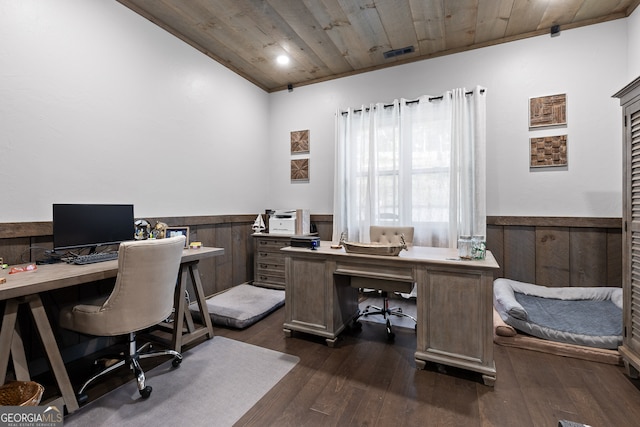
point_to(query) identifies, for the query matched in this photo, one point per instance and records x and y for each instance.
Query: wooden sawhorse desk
(25, 288)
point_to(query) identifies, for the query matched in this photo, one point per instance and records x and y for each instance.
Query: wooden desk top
(61, 275)
(414, 254)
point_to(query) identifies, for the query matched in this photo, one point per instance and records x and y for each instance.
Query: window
(412, 163)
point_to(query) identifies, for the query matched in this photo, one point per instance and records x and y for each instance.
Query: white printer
(291, 222)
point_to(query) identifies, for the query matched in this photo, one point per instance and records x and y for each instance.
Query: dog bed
(589, 317)
(242, 305)
(507, 336)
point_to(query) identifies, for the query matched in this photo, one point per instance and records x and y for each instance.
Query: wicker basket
(373, 248)
(21, 393)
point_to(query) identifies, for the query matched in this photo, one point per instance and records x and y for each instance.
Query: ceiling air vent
(397, 52)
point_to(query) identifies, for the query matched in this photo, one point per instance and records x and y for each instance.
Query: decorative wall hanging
(300, 141)
(549, 151)
(300, 170)
(547, 111)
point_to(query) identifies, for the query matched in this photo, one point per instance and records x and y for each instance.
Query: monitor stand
(51, 257)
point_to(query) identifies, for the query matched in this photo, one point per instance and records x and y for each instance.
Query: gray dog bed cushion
(574, 315)
(242, 305)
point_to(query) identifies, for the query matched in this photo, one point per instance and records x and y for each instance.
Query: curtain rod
(415, 101)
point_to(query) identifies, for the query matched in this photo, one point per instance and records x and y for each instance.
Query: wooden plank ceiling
(327, 39)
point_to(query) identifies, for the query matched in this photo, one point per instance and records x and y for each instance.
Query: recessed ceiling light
(283, 59)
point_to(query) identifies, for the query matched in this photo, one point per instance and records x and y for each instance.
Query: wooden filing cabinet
(269, 260)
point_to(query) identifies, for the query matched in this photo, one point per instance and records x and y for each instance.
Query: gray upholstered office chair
(143, 296)
(388, 235)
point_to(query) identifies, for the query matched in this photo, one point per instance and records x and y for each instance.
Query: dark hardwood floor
(366, 381)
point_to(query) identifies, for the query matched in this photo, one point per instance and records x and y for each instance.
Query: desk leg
(178, 316)
(201, 298)
(20, 365)
(6, 335)
(12, 345)
(182, 315)
(51, 347)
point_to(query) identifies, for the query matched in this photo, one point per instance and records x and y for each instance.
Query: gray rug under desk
(217, 382)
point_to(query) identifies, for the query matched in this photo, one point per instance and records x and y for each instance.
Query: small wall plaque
(300, 170)
(549, 151)
(300, 141)
(548, 111)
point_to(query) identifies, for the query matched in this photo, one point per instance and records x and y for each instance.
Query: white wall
(99, 105)
(633, 30)
(588, 64)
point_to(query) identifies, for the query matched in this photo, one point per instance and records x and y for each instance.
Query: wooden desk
(25, 288)
(454, 299)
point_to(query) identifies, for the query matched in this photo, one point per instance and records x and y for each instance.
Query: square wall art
(547, 111)
(300, 170)
(549, 151)
(300, 141)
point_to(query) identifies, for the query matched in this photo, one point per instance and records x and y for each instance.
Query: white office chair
(388, 235)
(143, 296)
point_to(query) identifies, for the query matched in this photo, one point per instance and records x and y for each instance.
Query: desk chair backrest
(390, 235)
(143, 294)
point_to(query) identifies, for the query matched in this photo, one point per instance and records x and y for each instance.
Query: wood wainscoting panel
(224, 264)
(614, 257)
(241, 253)
(557, 251)
(16, 250)
(552, 256)
(588, 266)
(495, 241)
(519, 253)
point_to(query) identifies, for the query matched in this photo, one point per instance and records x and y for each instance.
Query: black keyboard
(95, 257)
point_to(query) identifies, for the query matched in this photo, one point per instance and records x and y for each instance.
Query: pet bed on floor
(242, 305)
(589, 317)
(507, 336)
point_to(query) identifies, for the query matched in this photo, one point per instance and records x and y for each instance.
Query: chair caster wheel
(390, 335)
(146, 392)
(176, 362)
(82, 398)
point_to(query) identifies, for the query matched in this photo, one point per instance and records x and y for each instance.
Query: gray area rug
(216, 384)
(408, 306)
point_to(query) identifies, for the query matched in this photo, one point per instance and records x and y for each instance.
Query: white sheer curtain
(417, 163)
